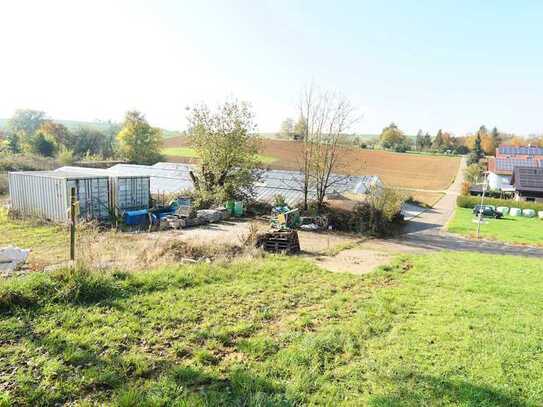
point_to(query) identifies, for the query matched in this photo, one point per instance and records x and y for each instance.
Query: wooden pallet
(281, 241)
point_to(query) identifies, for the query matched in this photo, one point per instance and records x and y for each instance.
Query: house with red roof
(501, 167)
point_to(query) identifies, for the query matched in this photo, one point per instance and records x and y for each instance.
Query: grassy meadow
(510, 229)
(188, 152)
(440, 329)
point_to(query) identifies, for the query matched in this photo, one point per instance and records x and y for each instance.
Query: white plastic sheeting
(174, 177)
(11, 258)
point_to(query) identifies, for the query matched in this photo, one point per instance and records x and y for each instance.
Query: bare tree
(327, 116)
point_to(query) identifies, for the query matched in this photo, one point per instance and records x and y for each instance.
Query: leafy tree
(26, 121)
(477, 153)
(109, 145)
(488, 144)
(393, 138)
(227, 151)
(42, 144)
(55, 131)
(419, 141)
(138, 141)
(473, 173)
(13, 141)
(438, 140)
(287, 127)
(85, 141)
(482, 131)
(427, 141)
(495, 138)
(478, 150)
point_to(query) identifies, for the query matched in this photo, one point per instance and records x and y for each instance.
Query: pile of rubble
(184, 219)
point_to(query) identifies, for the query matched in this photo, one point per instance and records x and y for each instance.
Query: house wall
(497, 181)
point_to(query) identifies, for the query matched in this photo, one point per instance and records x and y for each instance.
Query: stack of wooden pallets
(279, 241)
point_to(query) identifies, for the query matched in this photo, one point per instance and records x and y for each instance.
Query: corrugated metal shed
(46, 194)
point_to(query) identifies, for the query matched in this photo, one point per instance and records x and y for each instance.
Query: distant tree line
(32, 132)
(478, 144)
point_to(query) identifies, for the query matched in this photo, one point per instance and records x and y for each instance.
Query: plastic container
(504, 210)
(140, 217)
(515, 212)
(229, 205)
(528, 213)
(239, 209)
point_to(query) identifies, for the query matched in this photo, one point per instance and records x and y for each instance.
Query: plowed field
(409, 171)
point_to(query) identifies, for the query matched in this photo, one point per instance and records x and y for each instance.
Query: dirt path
(433, 220)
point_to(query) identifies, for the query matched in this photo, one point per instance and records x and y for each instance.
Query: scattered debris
(310, 226)
(179, 220)
(314, 223)
(11, 259)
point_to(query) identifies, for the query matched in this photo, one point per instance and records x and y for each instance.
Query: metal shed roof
(95, 171)
(61, 174)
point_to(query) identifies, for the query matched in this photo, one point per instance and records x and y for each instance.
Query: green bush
(465, 201)
(66, 157)
(365, 218)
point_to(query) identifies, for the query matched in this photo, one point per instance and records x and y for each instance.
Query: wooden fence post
(72, 223)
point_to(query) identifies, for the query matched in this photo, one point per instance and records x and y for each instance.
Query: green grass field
(189, 152)
(442, 329)
(180, 152)
(510, 229)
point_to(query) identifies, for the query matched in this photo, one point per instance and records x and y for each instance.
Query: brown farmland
(410, 171)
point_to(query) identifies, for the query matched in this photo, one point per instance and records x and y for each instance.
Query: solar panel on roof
(511, 150)
(507, 164)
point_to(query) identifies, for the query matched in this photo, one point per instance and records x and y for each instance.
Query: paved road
(427, 230)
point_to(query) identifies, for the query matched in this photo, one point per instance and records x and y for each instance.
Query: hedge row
(464, 201)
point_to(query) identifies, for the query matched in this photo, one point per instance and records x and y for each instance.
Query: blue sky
(423, 64)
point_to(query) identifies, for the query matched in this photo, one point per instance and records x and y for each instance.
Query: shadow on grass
(416, 390)
(126, 378)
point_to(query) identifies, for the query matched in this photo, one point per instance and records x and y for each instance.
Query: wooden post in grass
(481, 207)
(72, 223)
